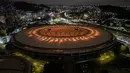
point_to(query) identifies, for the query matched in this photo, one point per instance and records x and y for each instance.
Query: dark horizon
(80, 2)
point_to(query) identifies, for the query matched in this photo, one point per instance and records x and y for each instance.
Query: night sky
(88, 2)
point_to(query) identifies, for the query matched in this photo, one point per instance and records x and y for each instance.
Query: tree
(3, 32)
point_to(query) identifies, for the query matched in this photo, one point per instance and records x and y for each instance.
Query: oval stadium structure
(85, 42)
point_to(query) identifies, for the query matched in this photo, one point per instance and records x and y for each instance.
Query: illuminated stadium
(57, 41)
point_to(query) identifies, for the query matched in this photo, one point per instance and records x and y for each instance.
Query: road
(125, 38)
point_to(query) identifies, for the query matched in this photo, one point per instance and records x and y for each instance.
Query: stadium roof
(63, 38)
